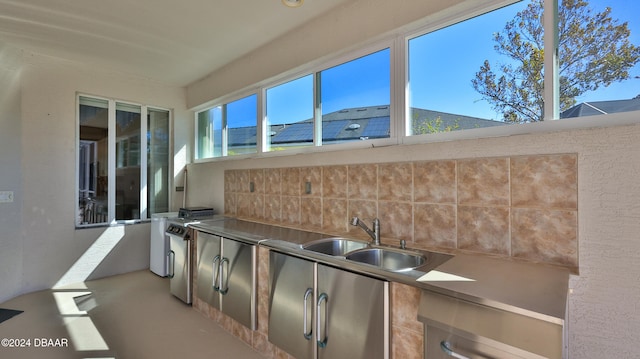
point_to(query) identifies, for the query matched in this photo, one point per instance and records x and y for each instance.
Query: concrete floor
(125, 316)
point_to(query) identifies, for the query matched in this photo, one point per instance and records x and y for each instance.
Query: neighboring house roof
(350, 124)
(602, 108)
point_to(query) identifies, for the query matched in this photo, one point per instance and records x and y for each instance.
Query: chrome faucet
(374, 234)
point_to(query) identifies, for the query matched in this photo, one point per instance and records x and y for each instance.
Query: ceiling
(175, 42)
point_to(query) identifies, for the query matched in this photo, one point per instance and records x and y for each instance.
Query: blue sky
(443, 64)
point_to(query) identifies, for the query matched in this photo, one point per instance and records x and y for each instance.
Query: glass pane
(93, 161)
(599, 53)
(242, 119)
(157, 161)
(127, 162)
(209, 137)
(290, 114)
(467, 75)
(355, 98)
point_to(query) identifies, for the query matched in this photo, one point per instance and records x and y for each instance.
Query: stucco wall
(10, 174)
(603, 317)
(37, 142)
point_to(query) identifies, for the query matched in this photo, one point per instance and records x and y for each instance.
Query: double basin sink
(391, 259)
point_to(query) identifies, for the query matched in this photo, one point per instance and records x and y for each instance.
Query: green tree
(594, 51)
(435, 125)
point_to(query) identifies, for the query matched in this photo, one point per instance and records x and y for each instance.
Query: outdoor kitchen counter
(534, 290)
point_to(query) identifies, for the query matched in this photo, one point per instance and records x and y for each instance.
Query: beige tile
(484, 229)
(405, 300)
(406, 344)
(545, 181)
(363, 182)
(334, 215)
(257, 206)
(434, 225)
(545, 236)
(396, 221)
(291, 181)
(395, 182)
(483, 181)
(312, 176)
(291, 210)
(242, 181)
(334, 182)
(311, 212)
(230, 203)
(435, 182)
(243, 207)
(272, 181)
(256, 179)
(230, 181)
(272, 208)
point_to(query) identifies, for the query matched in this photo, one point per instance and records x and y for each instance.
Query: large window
(289, 114)
(491, 69)
(355, 98)
(227, 130)
(123, 161)
(476, 66)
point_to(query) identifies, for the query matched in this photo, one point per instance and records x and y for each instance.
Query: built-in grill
(180, 257)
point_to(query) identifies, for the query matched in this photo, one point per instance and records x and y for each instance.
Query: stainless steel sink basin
(335, 246)
(389, 259)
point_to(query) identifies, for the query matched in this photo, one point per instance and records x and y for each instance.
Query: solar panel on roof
(331, 129)
(242, 136)
(377, 128)
(296, 132)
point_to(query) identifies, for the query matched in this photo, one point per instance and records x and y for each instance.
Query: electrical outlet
(6, 196)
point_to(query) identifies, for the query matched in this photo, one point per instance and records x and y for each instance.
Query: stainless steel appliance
(180, 254)
(159, 245)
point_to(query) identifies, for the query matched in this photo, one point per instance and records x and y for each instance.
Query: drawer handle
(446, 347)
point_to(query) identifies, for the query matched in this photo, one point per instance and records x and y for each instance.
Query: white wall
(37, 140)
(10, 174)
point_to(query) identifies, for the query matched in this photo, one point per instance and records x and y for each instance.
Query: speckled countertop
(539, 291)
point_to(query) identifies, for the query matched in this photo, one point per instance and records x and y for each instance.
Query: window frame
(399, 106)
(112, 142)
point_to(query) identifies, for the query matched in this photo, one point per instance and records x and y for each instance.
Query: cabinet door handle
(224, 276)
(307, 333)
(215, 269)
(172, 263)
(446, 347)
(322, 342)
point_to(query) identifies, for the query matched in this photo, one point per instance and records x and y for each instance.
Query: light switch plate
(6, 196)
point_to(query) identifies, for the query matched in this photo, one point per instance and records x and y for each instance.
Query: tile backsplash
(524, 207)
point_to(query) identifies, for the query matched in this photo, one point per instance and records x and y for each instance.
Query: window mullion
(551, 89)
(111, 170)
(317, 113)
(144, 122)
(225, 131)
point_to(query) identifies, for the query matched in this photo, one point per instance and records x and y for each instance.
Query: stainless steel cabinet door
(208, 263)
(179, 272)
(352, 315)
(291, 304)
(237, 288)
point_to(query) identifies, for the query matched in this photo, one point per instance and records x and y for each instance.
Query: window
(604, 76)
(355, 98)
(442, 66)
(117, 179)
(228, 130)
(290, 114)
(473, 66)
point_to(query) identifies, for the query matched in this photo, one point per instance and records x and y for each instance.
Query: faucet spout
(374, 234)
